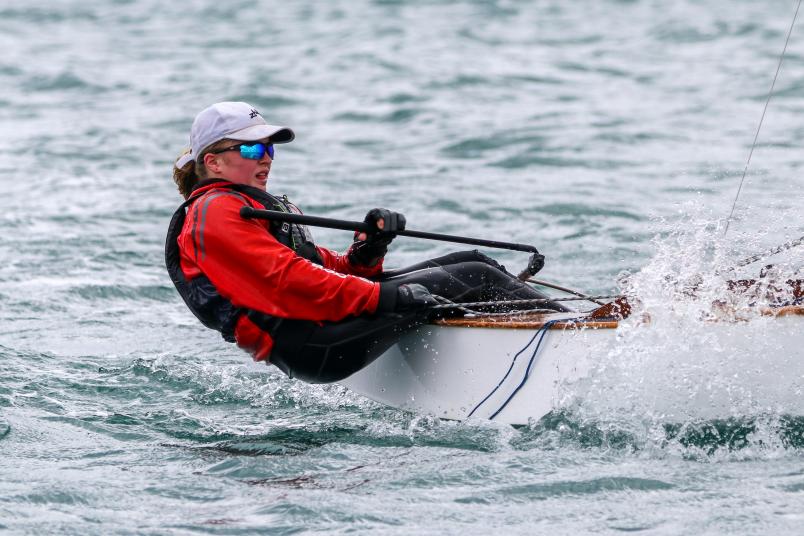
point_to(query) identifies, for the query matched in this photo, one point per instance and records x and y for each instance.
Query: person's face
(231, 166)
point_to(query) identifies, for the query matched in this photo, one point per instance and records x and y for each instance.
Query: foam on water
(696, 356)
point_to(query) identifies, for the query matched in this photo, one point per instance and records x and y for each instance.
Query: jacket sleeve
(340, 263)
(251, 268)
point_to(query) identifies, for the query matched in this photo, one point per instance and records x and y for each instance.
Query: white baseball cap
(234, 121)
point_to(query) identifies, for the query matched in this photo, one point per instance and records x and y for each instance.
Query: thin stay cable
(756, 136)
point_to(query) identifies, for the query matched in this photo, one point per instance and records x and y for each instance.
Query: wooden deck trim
(536, 321)
(578, 322)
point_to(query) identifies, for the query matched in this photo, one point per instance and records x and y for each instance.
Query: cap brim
(260, 132)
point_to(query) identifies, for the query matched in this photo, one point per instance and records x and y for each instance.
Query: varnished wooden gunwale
(537, 321)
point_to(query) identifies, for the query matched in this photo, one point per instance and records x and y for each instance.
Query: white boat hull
(450, 370)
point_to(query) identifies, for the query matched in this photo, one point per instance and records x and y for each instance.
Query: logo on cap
(254, 113)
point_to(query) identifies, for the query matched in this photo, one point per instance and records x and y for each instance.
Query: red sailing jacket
(249, 267)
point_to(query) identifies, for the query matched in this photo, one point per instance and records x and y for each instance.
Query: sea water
(612, 135)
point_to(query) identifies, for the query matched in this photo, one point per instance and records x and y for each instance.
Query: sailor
(316, 314)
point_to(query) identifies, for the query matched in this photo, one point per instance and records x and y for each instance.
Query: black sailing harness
(200, 295)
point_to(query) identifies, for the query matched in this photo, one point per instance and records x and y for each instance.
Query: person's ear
(212, 162)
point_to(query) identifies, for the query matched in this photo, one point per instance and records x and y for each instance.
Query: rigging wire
(756, 136)
(773, 251)
(563, 289)
(543, 331)
(447, 304)
(508, 372)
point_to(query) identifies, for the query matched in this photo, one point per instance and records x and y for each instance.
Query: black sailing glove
(404, 298)
(371, 247)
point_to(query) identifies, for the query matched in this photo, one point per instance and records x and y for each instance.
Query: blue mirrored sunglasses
(252, 151)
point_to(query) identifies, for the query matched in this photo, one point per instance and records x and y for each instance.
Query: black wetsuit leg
(332, 351)
(335, 350)
(465, 282)
(452, 258)
(474, 281)
(468, 276)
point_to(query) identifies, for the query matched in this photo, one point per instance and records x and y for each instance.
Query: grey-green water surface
(607, 133)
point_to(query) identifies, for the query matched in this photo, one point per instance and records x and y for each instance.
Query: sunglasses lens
(257, 151)
(252, 152)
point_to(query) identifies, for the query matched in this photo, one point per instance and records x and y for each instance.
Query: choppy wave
(703, 440)
(582, 128)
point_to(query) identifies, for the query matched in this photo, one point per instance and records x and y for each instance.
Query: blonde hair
(194, 171)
